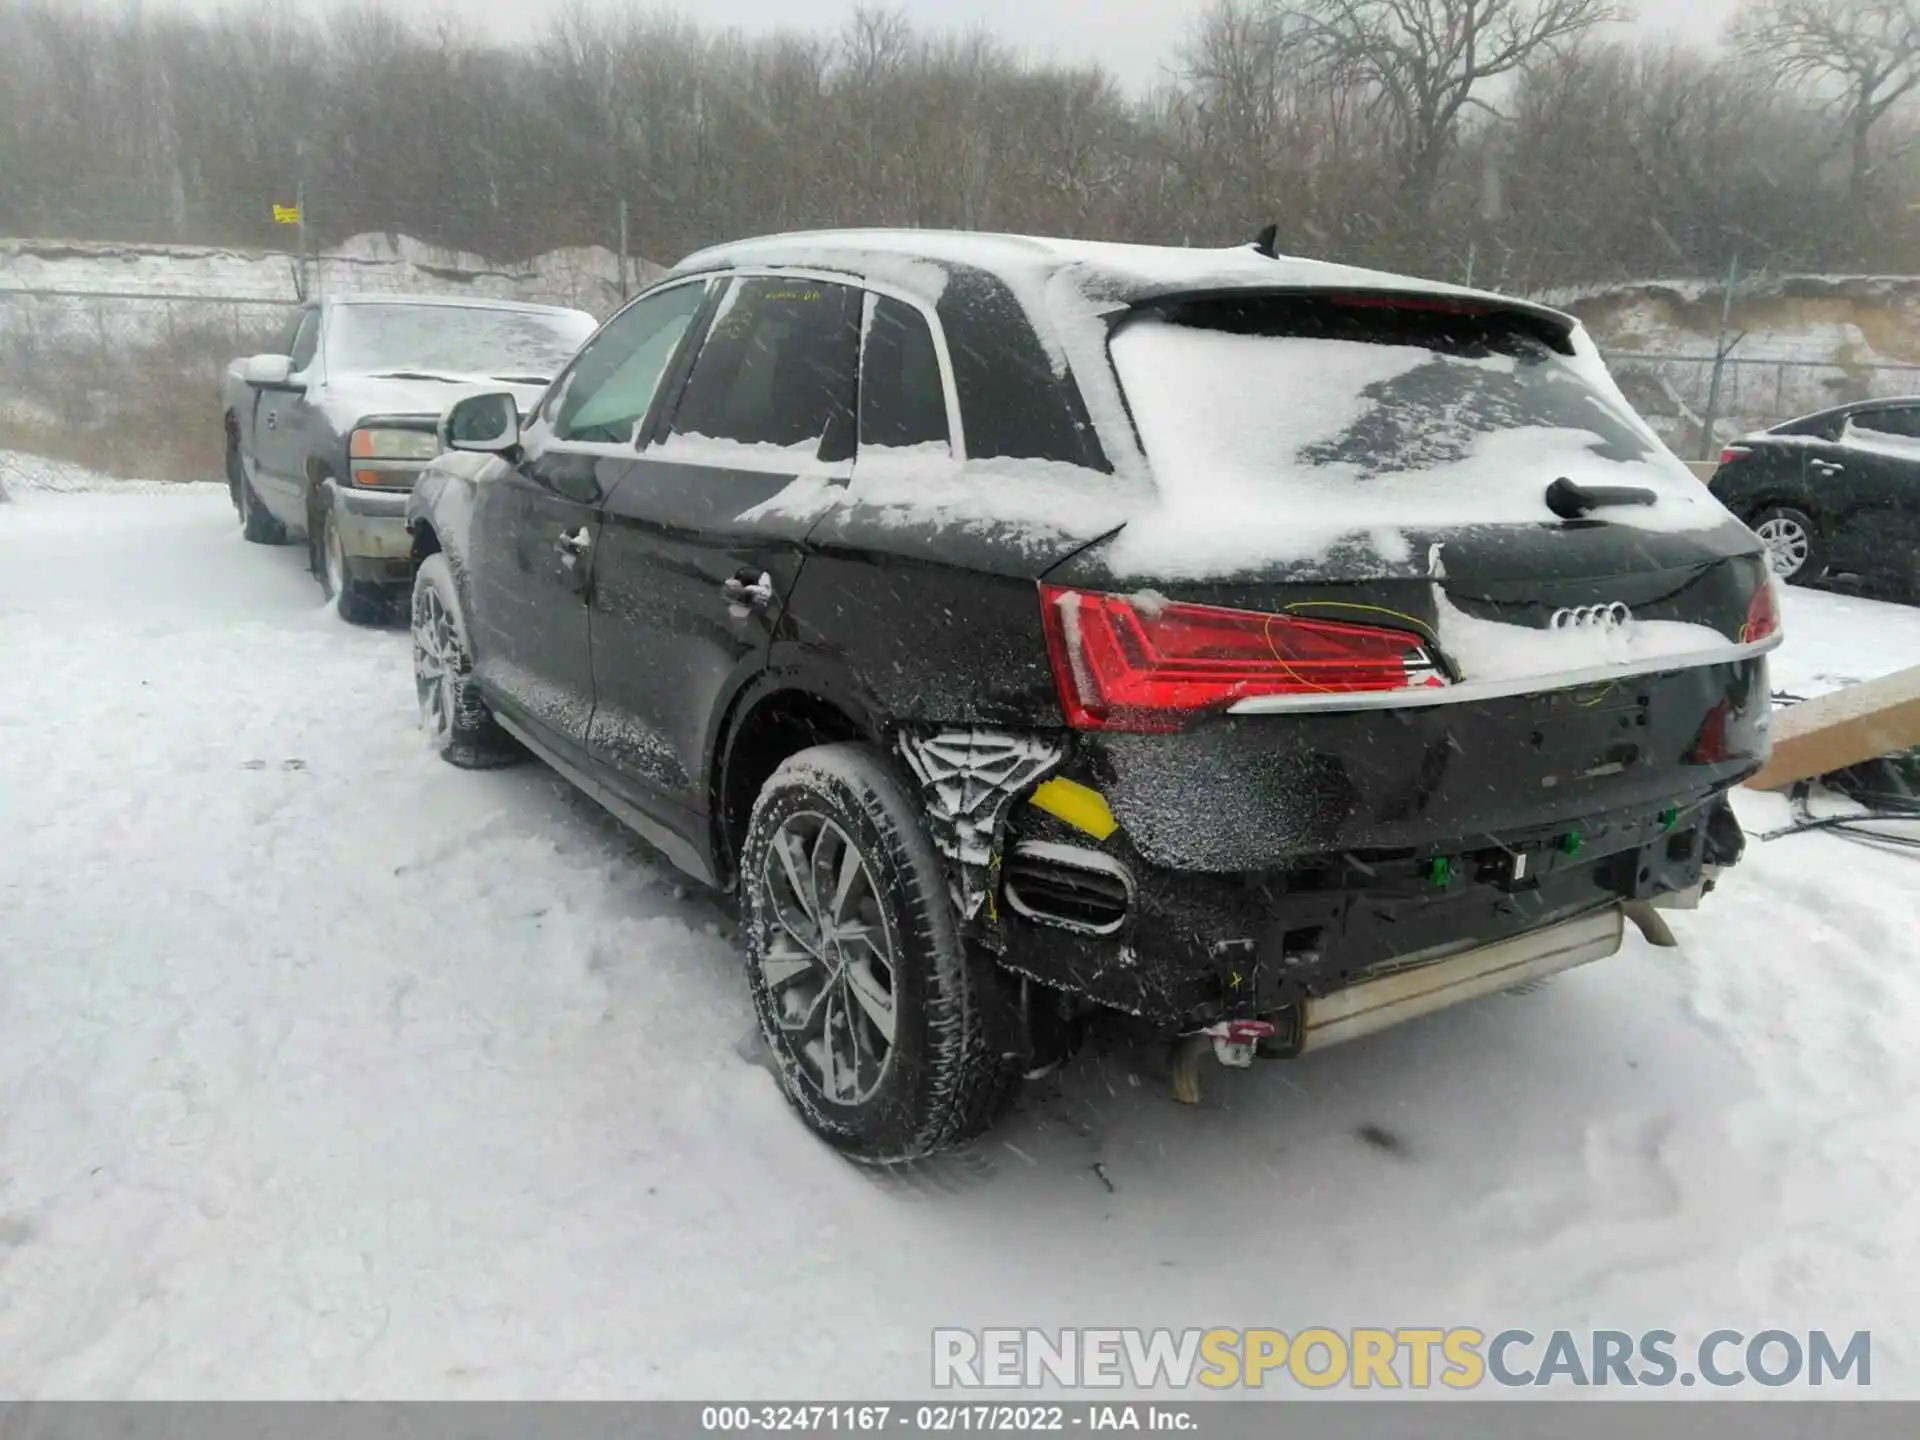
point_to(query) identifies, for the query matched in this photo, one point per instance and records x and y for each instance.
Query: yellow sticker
(1080, 806)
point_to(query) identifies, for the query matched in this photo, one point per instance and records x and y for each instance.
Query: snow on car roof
(1123, 273)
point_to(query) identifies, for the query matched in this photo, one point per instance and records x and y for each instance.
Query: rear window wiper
(1570, 501)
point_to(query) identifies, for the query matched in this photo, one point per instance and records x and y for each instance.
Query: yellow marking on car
(1079, 805)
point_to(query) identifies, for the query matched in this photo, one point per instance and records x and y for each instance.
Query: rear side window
(1898, 426)
(902, 400)
(777, 367)
(1014, 403)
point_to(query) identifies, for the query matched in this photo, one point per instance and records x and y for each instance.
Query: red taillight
(1763, 614)
(1126, 663)
(1733, 453)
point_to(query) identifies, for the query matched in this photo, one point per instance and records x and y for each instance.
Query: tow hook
(1234, 1043)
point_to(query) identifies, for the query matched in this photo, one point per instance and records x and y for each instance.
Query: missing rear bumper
(1424, 989)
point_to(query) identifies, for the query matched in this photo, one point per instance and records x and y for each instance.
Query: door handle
(743, 589)
(576, 544)
(1827, 467)
(273, 420)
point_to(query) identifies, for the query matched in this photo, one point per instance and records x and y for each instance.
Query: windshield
(1378, 411)
(454, 341)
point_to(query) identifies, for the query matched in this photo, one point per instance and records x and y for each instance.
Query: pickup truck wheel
(255, 523)
(888, 1033)
(358, 602)
(451, 711)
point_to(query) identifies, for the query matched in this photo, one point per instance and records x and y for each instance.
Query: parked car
(1264, 649)
(326, 432)
(1834, 491)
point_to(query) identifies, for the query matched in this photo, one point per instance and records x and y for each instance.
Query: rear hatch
(1447, 584)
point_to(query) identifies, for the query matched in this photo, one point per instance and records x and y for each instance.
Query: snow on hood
(347, 399)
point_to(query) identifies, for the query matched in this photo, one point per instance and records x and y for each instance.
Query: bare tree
(1866, 52)
(1424, 63)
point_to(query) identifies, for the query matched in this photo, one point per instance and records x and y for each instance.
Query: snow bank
(23, 475)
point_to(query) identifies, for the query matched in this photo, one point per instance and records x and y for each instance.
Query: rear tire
(358, 602)
(889, 1035)
(452, 713)
(1793, 543)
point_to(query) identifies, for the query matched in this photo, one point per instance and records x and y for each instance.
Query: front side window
(611, 387)
(289, 332)
(903, 402)
(306, 341)
(777, 366)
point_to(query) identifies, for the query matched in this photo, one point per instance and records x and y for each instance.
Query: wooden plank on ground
(1842, 728)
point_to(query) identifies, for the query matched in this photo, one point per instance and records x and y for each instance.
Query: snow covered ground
(328, 1070)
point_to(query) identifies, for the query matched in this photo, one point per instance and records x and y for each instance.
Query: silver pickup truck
(326, 432)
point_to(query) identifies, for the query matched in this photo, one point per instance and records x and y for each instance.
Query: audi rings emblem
(1591, 617)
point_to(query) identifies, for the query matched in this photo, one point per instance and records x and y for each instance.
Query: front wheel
(1793, 543)
(887, 1033)
(452, 713)
(359, 603)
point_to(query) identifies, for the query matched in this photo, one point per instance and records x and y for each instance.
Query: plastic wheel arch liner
(968, 779)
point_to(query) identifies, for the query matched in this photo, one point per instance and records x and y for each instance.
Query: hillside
(1809, 341)
(584, 277)
(111, 354)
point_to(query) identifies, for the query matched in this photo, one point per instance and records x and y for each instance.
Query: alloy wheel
(827, 958)
(437, 661)
(1788, 545)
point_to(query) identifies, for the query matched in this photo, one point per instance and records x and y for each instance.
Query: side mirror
(269, 372)
(486, 423)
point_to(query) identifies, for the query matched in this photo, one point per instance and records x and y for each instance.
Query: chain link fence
(1680, 398)
(129, 382)
(114, 356)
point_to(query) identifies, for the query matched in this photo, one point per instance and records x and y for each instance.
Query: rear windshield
(1398, 407)
(455, 342)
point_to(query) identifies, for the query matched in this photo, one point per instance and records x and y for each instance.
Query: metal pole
(1720, 352)
(623, 252)
(311, 283)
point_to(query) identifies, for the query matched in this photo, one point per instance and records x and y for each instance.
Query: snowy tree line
(1525, 140)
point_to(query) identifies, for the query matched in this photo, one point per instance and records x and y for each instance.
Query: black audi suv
(1267, 650)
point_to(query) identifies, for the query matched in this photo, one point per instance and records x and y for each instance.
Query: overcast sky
(1135, 39)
